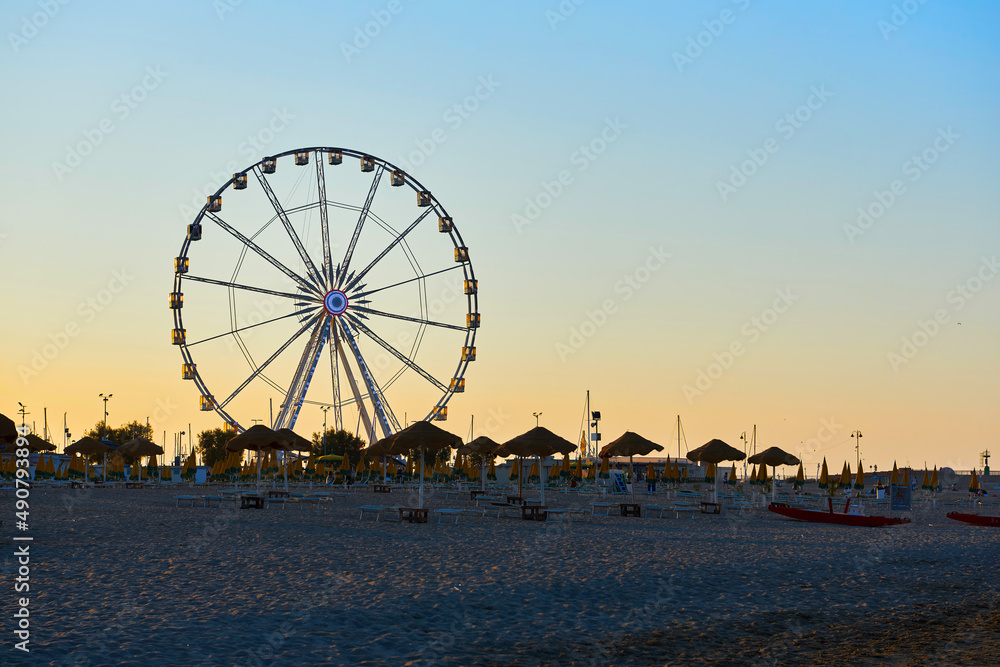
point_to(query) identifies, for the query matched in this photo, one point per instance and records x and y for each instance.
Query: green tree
(119, 436)
(338, 442)
(211, 445)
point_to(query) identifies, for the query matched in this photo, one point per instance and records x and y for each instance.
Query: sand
(123, 577)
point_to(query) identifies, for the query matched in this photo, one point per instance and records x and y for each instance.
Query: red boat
(975, 519)
(839, 518)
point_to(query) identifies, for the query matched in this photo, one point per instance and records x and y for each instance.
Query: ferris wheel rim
(342, 315)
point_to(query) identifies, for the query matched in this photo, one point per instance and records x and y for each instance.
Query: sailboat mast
(586, 419)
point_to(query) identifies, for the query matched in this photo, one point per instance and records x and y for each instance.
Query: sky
(777, 215)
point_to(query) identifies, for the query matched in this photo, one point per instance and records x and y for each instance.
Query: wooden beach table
(252, 502)
(630, 509)
(413, 514)
(533, 512)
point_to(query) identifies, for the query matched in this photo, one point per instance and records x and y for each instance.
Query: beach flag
(859, 481)
(974, 483)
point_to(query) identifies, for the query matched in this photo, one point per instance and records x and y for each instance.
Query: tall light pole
(537, 415)
(857, 445)
(105, 399)
(324, 408)
(23, 411)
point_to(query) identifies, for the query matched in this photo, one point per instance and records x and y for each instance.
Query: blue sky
(224, 76)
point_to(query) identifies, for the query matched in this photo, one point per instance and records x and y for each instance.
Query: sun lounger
(604, 506)
(370, 509)
(659, 509)
(680, 509)
(191, 499)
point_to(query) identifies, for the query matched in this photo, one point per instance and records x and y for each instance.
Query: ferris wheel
(298, 254)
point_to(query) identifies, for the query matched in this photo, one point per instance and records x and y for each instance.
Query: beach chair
(192, 499)
(375, 510)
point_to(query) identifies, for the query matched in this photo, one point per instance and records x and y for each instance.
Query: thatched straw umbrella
(425, 436)
(139, 447)
(87, 446)
(630, 444)
(485, 447)
(715, 451)
(538, 442)
(257, 438)
(774, 456)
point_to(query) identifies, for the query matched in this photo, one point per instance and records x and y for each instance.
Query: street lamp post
(537, 415)
(324, 408)
(857, 446)
(105, 399)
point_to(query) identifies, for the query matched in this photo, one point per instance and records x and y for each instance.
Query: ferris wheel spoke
(377, 400)
(399, 355)
(223, 283)
(323, 220)
(302, 378)
(344, 267)
(385, 252)
(418, 320)
(305, 284)
(232, 332)
(359, 295)
(306, 259)
(260, 369)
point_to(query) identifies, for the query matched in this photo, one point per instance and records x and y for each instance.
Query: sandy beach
(125, 577)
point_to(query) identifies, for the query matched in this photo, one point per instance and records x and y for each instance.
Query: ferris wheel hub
(335, 302)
